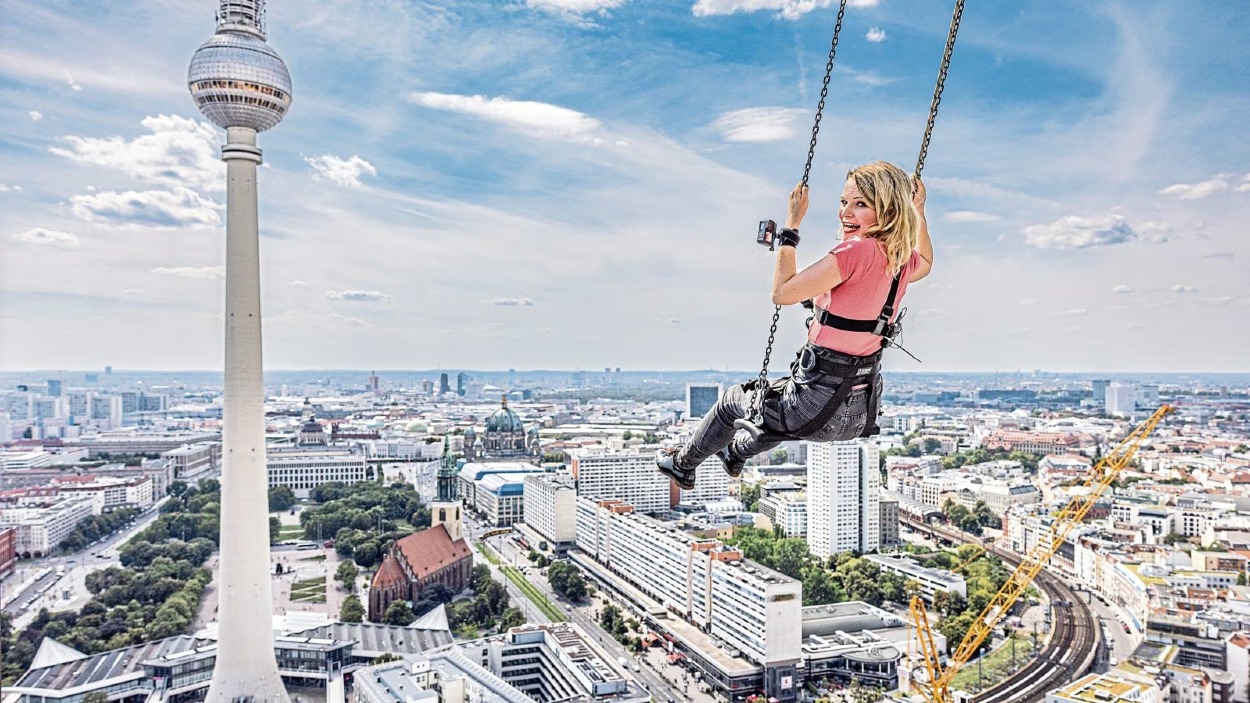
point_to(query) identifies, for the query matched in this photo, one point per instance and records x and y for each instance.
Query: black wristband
(787, 237)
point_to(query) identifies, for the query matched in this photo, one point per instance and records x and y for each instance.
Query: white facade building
(302, 470)
(41, 529)
(931, 580)
(843, 496)
(752, 610)
(551, 507)
(24, 459)
(787, 510)
(711, 484)
(191, 460)
(1121, 399)
(108, 493)
(629, 477)
(500, 498)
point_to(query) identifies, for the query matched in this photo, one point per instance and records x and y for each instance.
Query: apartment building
(630, 477)
(551, 508)
(41, 529)
(747, 610)
(843, 496)
(787, 510)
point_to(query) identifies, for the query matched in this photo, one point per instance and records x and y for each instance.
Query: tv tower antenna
(242, 85)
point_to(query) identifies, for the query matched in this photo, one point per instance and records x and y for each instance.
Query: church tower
(446, 509)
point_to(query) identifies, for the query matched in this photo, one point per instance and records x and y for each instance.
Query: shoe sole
(675, 479)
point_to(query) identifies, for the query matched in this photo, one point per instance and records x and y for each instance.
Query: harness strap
(833, 405)
(878, 326)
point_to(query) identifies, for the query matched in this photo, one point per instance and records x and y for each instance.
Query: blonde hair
(888, 191)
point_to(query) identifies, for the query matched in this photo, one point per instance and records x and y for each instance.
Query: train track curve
(1069, 651)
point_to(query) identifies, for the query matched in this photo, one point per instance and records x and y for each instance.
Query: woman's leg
(716, 430)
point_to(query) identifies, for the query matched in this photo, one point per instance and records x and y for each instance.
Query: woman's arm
(924, 245)
(789, 285)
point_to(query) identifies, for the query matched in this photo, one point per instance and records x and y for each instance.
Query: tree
(96, 697)
(567, 580)
(932, 445)
(352, 610)
(751, 496)
(399, 613)
(275, 529)
(778, 456)
(346, 575)
(512, 617)
(281, 498)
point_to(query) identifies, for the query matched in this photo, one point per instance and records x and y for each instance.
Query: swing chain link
(762, 381)
(941, 85)
(824, 91)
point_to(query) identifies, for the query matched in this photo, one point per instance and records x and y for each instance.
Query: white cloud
(35, 115)
(69, 80)
(875, 35)
(6, 188)
(575, 7)
(135, 291)
(524, 302)
(964, 216)
(788, 9)
(1075, 311)
(759, 124)
(1075, 232)
(1178, 288)
(297, 282)
(1244, 186)
(180, 207)
(357, 295)
(542, 119)
(1195, 191)
(39, 236)
(204, 273)
(178, 153)
(345, 172)
(1220, 300)
(1029, 301)
(1121, 289)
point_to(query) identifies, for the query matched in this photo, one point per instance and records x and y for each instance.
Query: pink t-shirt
(860, 296)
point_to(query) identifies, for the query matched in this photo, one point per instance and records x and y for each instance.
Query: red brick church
(439, 554)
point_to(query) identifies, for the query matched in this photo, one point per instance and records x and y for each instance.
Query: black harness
(853, 370)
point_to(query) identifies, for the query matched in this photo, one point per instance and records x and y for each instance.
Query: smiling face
(855, 214)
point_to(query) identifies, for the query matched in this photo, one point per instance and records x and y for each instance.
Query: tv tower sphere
(236, 79)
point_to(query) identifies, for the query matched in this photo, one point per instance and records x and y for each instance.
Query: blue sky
(575, 183)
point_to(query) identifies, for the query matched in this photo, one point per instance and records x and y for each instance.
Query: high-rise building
(462, 380)
(700, 397)
(1148, 396)
(242, 86)
(1099, 386)
(54, 388)
(843, 497)
(551, 508)
(444, 386)
(1121, 399)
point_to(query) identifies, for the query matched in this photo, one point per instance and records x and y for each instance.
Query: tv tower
(243, 86)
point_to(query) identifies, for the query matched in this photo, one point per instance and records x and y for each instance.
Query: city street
(35, 575)
(665, 681)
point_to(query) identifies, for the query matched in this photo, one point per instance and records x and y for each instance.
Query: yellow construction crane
(934, 683)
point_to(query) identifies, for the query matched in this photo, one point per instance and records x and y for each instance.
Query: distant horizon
(752, 373)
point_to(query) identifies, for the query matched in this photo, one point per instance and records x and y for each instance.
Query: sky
(569, 184)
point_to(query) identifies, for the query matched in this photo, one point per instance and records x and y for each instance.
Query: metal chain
(941, 85)
(762, 381)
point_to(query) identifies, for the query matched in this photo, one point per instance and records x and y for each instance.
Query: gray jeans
(793, 402)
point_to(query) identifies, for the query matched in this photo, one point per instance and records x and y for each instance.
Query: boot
(666, 460)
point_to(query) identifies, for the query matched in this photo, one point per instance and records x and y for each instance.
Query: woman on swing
(835, 383)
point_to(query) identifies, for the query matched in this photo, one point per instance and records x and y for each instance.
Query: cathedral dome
(504, 420)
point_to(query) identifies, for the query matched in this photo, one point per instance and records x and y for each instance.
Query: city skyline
(575, 184)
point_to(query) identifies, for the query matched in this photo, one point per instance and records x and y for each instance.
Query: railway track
(1068, 653)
